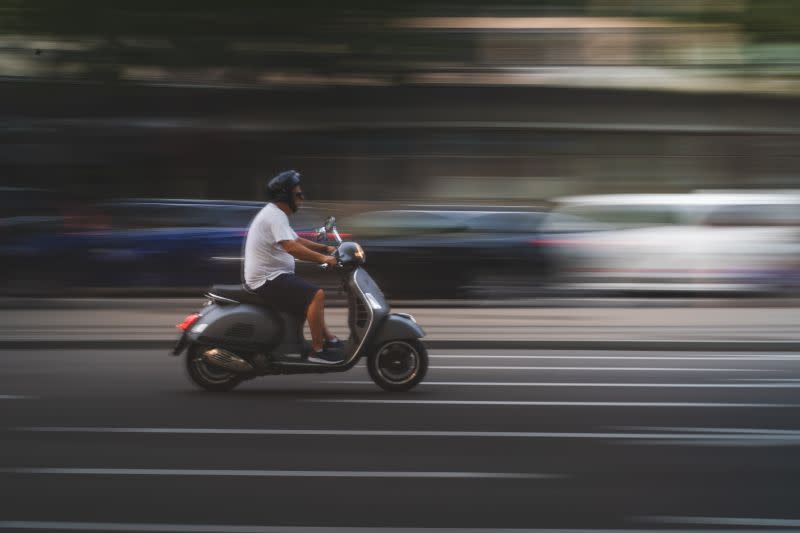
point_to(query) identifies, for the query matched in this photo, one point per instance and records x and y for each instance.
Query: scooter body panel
(248, 327)
(368, 308)
(396, 327)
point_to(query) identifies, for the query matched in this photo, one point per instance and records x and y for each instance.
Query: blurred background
(485, 150)
(592, 207)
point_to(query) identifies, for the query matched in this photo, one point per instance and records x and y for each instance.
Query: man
(269, 253)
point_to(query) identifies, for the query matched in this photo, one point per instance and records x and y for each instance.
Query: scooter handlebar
(326, 266)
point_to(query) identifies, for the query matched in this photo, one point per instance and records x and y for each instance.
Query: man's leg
(328, 333)
(316, 322)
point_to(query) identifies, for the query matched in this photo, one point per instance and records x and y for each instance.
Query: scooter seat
(236, 293)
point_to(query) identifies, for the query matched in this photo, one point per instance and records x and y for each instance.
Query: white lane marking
(724, 521)
(555, 404)
(591, 384)
(16, 397)
(749, 357)
(714, 443)
(273, 473)
(602, 368)
(699, 436)
(648, 433)
(219, 528)
(777, 380)
(696, 430)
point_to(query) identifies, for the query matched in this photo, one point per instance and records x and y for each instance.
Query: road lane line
(521, 403)
(740, 437)
(765, 357)
(604, 368)
(198, 472)
(712, 443)
(641, 433)
(16, 397)
(699, 430)
(589, 384)
(724, 521)
(219, 528)
(776, 380)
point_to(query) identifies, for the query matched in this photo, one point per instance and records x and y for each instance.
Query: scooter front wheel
(208, 376)
(399, 365)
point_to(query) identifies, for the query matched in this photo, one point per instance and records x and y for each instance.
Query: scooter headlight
(359, 254)
(351, 252)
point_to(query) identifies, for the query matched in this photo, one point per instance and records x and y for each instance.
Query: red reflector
(187, 322)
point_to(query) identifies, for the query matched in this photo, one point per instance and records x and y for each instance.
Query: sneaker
(335, 344)
(326, 356)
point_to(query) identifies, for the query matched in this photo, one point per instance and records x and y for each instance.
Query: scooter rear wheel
(206, 375)
(399, 365)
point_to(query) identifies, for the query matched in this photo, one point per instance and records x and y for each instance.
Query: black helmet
(279, 188)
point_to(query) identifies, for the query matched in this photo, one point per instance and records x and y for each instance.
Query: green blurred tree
(320, 36)
(772, 20)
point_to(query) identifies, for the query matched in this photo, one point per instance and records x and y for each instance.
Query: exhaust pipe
(226, 360)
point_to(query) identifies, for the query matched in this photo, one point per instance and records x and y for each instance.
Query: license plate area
(180, 345)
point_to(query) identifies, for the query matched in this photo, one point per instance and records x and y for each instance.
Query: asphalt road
(119, 440)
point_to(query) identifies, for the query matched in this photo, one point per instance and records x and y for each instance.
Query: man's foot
(326, 356)
(334, 344)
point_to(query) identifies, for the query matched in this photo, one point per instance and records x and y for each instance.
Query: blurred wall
(395, 142)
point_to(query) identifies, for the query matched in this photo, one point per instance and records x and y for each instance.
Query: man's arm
(299, 251)
(317, 247)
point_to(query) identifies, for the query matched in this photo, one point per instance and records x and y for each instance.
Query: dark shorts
(288, 293)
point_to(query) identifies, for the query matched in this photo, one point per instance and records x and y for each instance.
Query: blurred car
(154, 244)
(148, 213)
(696, 242)
(452, 253)
(28, 216)
(25, 211)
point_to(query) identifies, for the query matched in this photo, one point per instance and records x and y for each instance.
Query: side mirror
(330, 223)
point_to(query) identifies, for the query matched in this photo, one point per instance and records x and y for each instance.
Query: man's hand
(331, 261)
(299, 251)
(317, 246)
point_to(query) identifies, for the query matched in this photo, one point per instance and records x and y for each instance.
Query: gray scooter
(236, 336)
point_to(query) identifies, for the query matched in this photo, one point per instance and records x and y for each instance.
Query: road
(118, 440)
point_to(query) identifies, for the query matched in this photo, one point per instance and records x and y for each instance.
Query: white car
(676, 242)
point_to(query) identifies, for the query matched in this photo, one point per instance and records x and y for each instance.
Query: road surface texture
(548, 440)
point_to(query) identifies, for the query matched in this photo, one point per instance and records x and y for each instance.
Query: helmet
(279, 188)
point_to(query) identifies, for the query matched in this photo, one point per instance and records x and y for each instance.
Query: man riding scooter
(242, 333)
(270, 251)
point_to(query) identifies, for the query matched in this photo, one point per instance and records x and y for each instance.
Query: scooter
(236, 336)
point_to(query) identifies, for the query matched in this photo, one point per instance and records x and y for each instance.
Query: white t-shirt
(264, 258)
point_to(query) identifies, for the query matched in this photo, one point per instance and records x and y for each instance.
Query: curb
(621, 345)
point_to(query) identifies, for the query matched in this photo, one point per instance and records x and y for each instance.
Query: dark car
(27, 211)
(452, 253)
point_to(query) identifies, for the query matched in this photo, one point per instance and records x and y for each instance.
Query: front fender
(396, 326)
